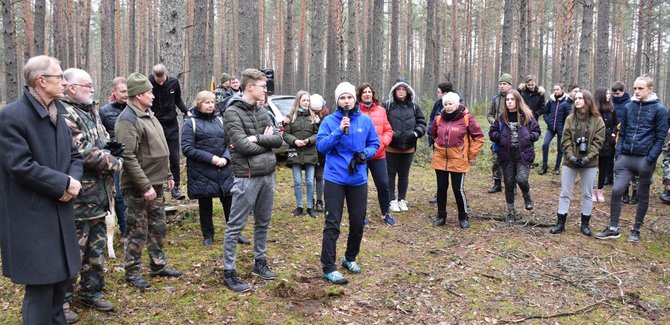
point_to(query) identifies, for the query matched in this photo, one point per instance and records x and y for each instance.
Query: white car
(280, 105)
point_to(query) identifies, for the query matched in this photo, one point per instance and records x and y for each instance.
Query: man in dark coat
(39, 180)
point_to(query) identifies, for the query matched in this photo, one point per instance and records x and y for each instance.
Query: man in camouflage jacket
(665, 197)
(91, 206)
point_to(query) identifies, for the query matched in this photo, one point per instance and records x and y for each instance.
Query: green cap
(137, 83)
(225, 77)
(505, 77)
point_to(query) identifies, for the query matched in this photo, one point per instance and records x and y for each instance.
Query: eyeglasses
(262, 86)
(89, 86)
(59, 76)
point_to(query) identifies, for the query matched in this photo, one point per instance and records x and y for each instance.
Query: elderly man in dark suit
(39, 172)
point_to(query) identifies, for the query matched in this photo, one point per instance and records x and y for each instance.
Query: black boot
(633, 198)
(542, 170)
(625, 198)
(463, 221)
(441, 219)
(586, 231)
(497, 187)
(528, 202)
(560, 224)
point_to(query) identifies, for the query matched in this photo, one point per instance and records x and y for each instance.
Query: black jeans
(205, 208)
(171, 130)
(380, 176)
(356, 197)
(605, 164)
(399, 163)
(457, 180)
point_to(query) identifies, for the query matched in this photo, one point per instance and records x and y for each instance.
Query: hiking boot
(262, 270)
(97, 304)
(393, 206)
(311, 212)
(352, 267)
(608, 234)
(542, 170)
(319, 206)
(557, 171)
(440, 220)
(634, 236)
(665, 197)
(433, 200)
(138, 282)
(243, 240)
(335, 277)
(586, 231)
(464, 224)
(560, 224)
(497, 187)
(232, 282)
(389, 220)
(297, 211)
(208, 241)
(70, 316)
(528, 202)
(177, 194)
(167, 272)
(633, 198)
(402, 204)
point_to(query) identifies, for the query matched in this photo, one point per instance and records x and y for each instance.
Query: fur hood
(553, 97)
(540, 89)
(410, 92)
(652, 98)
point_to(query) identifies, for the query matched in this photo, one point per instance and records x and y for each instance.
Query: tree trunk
(566, 50)
(637, 69)
(301, 75)
(132, 44)
(602, 78)
(11, 56)
(585, 45)
(333, 69)
(84, 32)
(288, 72)
(29, 30)
(429, 50)
(375, 73)
(394, 38)
(209, 57)
(59, 31)
(107, 48)
(39, 25)
(455, 45)
(352, 74)
(196, 74)
(507, 38)
(316, 80)
(171, 51)
(522, 60)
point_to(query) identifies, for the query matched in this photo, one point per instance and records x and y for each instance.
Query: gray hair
(37, 66)
(72, 75)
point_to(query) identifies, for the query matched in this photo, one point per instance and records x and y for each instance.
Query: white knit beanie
(345, 88)
(451, 97)
(315, 102)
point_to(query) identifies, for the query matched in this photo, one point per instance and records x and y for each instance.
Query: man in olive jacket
(145, 170)
(39, 172)
(252, 137)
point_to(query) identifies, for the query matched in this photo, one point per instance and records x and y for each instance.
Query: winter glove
(115, 148)
(574, 160)
(359, 158)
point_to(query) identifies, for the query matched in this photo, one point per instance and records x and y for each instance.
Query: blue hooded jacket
(620, 105)
(643, 129)
(339, 148)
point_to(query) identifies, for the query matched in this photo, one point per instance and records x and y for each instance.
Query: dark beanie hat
(225, 77)
(137, 84)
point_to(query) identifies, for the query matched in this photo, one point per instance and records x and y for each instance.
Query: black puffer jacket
(300, 129)
(406, 119)
(242, 120)
(533, 98)
(108, 115)
(610, 134)
(200, 145)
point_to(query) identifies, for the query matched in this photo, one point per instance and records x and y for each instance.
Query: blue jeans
(545, 147)
(309, 183)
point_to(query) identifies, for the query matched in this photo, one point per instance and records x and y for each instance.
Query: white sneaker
(393, 206)
(402, 204)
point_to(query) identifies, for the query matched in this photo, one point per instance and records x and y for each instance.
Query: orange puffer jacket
(384, 131)
(457, 142)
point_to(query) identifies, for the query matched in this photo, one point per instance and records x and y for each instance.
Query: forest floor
(413, 273)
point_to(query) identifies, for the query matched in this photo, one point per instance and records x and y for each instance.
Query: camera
(582, 145)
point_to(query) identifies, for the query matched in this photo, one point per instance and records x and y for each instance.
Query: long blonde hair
(293, 113)
(520, 107)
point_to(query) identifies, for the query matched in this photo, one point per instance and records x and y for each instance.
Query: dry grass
(412, 273)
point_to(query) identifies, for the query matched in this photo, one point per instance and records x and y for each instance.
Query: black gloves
(115, 148)
(579, 162)
(573, 159)
(359, 158)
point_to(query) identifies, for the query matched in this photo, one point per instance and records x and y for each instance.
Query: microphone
(346, 114)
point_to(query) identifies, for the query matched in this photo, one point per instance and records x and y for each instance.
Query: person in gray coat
(40, 170)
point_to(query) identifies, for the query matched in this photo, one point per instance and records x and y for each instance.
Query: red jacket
(457, 142)
(384, 131)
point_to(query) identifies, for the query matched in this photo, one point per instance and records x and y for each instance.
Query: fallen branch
(573, 313)
(522, 222)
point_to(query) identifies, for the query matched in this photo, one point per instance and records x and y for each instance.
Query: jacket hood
(238, 98)
(652, 98)
(562, 98)
(410, 92)
(625, 97)
(539, 90)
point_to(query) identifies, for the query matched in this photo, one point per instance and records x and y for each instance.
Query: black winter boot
(633, 198)
(440, 220)
(560, 224)
(528, 202)
(542, 170)
(586, 231)
(463, 221)
(497, 186)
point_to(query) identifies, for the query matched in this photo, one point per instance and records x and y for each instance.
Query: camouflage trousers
(496, 168)
(92, 235)
(666, 169)
(145, 226)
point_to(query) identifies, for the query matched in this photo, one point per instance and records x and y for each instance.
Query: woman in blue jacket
(205, 145)
(347, 138)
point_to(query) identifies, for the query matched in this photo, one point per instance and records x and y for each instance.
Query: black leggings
(205, 208)
(399, 163)
(605, 165)
(457, 180)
